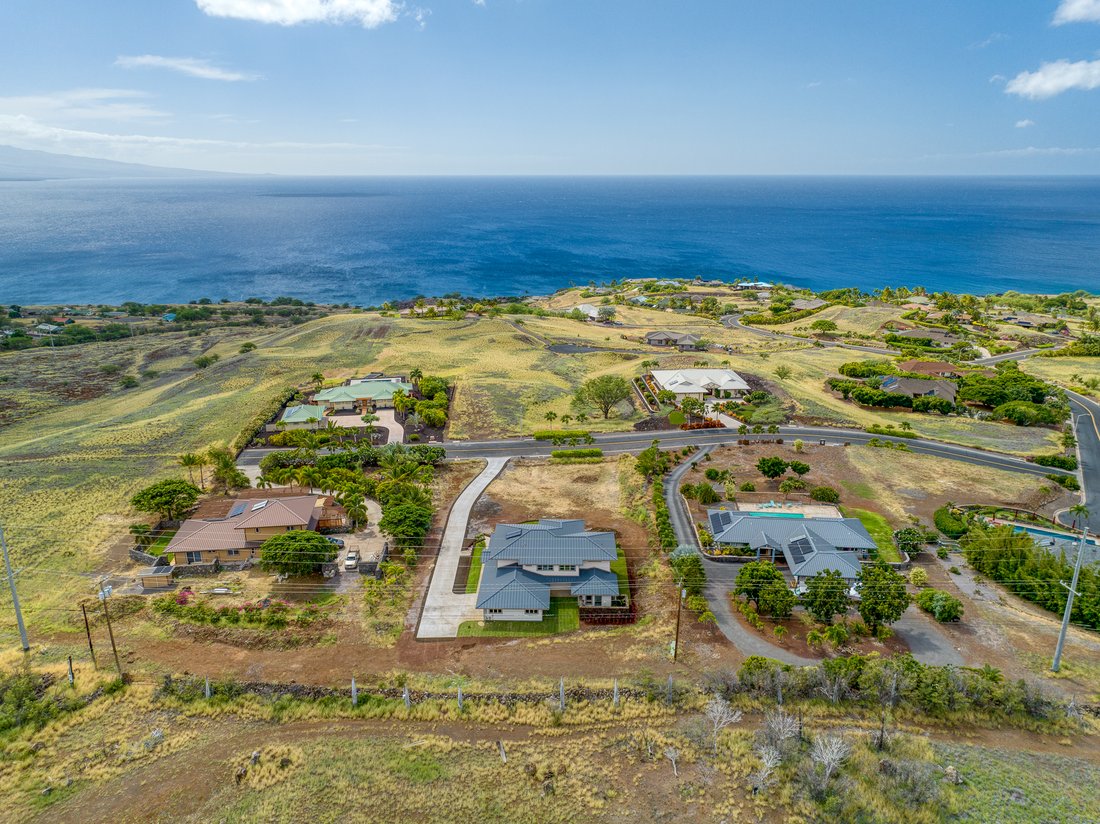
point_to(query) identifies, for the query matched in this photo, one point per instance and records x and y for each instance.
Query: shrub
(203, 361)
(948, 523)
(918, 577)
(943, 606)
(748, 486)
(825, 494)
(792, 485)
(706, 494)
(556, 434)
(954, 570)
(1067, 481)
(1057, 461)
(942, 553)
(577, 453)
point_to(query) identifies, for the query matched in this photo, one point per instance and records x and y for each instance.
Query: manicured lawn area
(618, 566)
(161, 543)
(880, 530)
(563, 616)
(474, 575)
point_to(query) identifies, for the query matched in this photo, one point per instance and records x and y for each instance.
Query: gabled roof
(511, 587)
(920, 386)
(549, 541)
(228, 532)
(680, 338)
(302, 414)
(297, 511)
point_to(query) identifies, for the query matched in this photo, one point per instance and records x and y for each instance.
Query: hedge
(948, 524)
(577, 453)
(666, 535)
(552, 434)
(1057, 461)
(260, 419)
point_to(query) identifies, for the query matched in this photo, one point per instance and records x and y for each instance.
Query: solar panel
(258, 506)
(237, 509)
(799, 548)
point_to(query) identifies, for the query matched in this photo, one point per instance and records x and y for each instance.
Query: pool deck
(786, 510)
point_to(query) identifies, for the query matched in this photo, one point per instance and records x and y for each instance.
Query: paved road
(1007, 356)
(1086, 416)
(444, 609)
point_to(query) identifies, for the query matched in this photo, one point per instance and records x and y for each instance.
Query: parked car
(336, 541)
(352, 560)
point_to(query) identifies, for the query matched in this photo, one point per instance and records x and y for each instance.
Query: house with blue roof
(525, 565)
(806, 546)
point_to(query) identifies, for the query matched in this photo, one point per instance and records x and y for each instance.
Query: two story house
(525, 565)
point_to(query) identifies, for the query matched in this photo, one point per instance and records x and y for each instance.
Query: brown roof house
(681, 340)
(235, 539)
(920, 388)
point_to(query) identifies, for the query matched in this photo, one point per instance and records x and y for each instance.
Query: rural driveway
(443, 609)
(927, 644)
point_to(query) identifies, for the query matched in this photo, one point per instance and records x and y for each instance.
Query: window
(568, 567)
(194, 557)
(544, 567)
(232, 553)
(531, 611)
(494, 611)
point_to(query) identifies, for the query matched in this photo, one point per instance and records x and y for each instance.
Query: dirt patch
(796, 630)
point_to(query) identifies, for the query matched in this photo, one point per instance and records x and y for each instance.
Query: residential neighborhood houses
(681, 340)
(525, 565)
(700, 383)
(806, 546)
(920, 387)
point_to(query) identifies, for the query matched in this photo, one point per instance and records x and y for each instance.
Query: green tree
(753, 577)
(883, 597)
(142, 534)
(666, 397)
(298, 552)
(688, 570)
(909, 539)
(652, 462)
(170, 498)
(190, 461)
(771, 467)
(225, 474)
(777, 600)
(317, 379)
(826, 595)
(783, 372)
(406, 523)
(943, 606)
(603, 393)
(693, 406)
(799, 468)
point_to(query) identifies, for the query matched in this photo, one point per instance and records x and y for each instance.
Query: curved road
(1086, 419)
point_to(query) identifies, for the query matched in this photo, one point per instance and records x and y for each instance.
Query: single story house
(525, 565)
(682, 340)
(920, 388)
(754, 284)
(236, 537)
(361, 396)
(941, 369)
(304, 416)
(701, 383)
(805, 304)
(1028, 320)
(588, 310)
(806, 546)
(935, 337)
(48, 328)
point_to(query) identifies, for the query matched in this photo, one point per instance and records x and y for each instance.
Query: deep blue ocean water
(365, 240)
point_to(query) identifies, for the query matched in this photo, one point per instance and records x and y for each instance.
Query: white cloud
(1024, 124)
(1077, 11)
(998, 78)
(191, 66)
(479, 3)
(28, 133)
(996, 37)
(1051, 79)
(421, 17)
(82, 104)
(814, 84)
(1044, 151)
(368, 13)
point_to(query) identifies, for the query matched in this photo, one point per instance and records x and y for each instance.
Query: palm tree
(1079, 511)
(566, 420)
(317, 379)
(415, 374)
(189, 460)
(203, 462)
(551, 417)
(264, 482)
(141, 533)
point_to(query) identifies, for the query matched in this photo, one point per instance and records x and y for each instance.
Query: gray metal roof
(757, 532)
(510, 587)
(549, 541)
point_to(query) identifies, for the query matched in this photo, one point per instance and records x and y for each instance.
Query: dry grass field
(1069, 372)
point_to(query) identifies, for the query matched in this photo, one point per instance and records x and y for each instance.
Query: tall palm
(141, 533)
(264, 482)
(415, 374)
(203, 462)
(317, 378)
(189, 460)
(1079, 511)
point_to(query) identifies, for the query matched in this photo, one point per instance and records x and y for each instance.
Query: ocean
(367, 240)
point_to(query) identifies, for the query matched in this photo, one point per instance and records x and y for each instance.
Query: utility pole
(1069, 601)
(14, 595)
(110, 632)
(679, 608)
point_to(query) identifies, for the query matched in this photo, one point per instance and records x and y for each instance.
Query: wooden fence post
(408, 700)
(354, 693)
(561, 695)
(460, 698)
(615, 697)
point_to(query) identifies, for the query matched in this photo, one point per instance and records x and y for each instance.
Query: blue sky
(558, 86)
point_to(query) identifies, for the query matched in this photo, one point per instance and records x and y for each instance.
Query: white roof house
(588, 310)
(700, 382)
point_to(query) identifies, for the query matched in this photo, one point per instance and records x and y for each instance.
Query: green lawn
(473, 577)
(563, 616)
(161, 543)
(618, 566)
(880, 530)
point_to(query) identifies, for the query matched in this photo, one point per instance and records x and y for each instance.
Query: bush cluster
(948, 523)
(666, 535)
(1057, 461)
(267, 613)
(943, 606)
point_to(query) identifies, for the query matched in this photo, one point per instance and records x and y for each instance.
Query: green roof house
(362, 395)
(306, 416)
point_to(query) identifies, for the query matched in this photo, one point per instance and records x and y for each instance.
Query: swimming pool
(1048, 533)
(772, 514)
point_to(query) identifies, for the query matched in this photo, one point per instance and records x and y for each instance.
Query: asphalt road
(1086, 417)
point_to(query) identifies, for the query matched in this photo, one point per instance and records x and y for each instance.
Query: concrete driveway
(444, 610)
